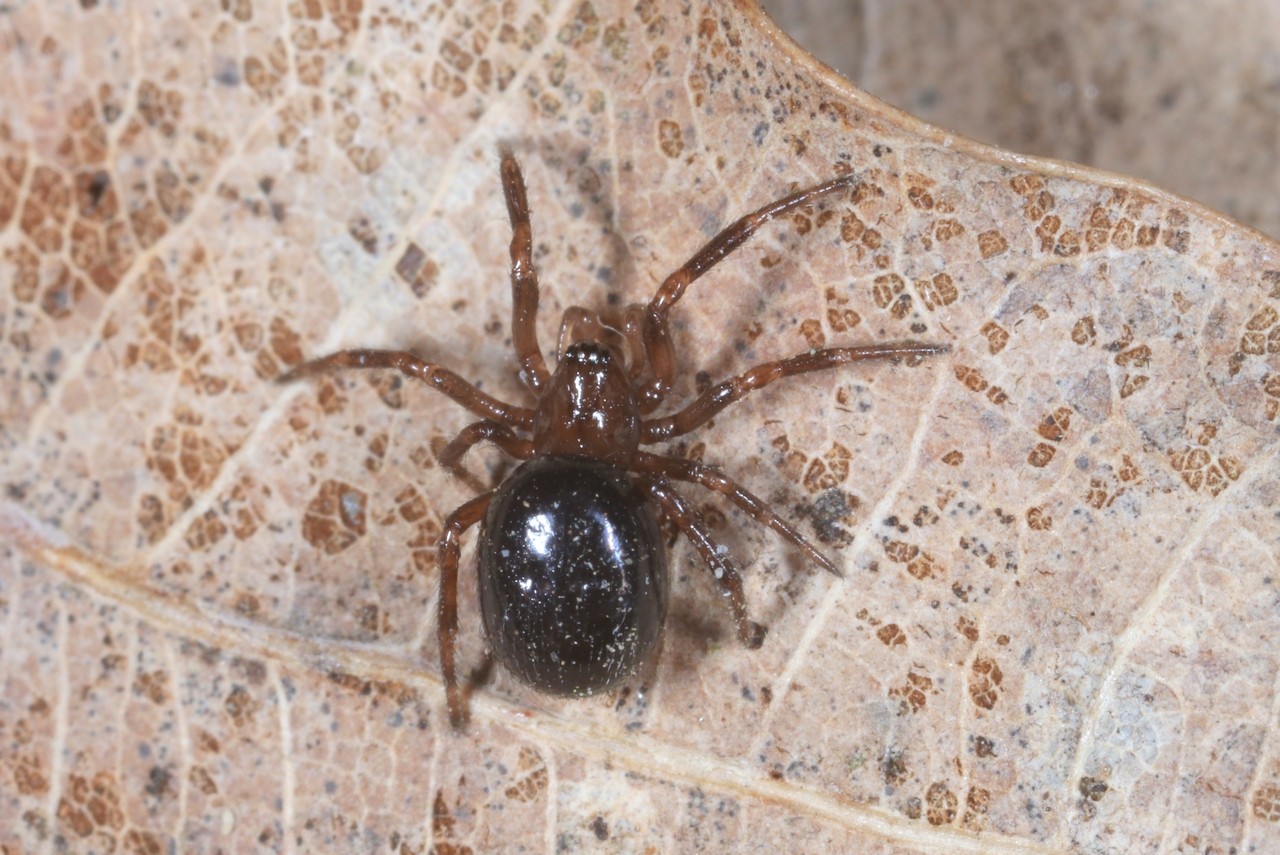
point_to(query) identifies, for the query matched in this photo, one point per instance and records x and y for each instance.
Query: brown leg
(450, 546)
(691, 525)
(440, 379)
(661, 353)
(721, 395)
(451, 455)
(524, 278)
(712, 479)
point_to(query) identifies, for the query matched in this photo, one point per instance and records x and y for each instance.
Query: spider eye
(587, 353)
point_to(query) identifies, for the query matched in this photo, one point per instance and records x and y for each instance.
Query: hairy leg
(524, 278)
(438, 378)
(450, 547)
(721, 395)
(713, 479)
(676, 509)
(657, 337)
(450, 456)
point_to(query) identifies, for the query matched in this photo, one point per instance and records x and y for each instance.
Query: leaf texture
(1057, 629)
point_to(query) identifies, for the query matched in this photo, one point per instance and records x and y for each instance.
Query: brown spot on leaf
(1083, 332)
(1092, 788)
(670, 138)
(886, 288)
(1132, 383)
(47, 209)
(941, 804)
(900, 552)
(202, 781)
(530, 779)
(335, 517)
(443, 826)
(925, 567)
(992, 243)
(914, 694)
(240, 705)
(976, 802)
(1038, 520)
(893, 767)
(947, 229)
(1199, 469)
(984, 685)
(1053, 426)
(997, 336)
(1266, 803)
(1040, 455)
(811, 330)
(891, 635)
(971, 378)
(153, 686)
(417, 270)
(28, 777)
(936, 292)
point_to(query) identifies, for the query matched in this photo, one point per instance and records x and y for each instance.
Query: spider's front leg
(657, 337)
(437, 377)
(524, 278)
(726, 392)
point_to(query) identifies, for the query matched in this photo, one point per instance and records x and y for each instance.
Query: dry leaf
(1058, 626)
(1170, 92)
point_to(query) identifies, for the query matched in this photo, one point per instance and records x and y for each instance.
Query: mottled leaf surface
(1058, 625)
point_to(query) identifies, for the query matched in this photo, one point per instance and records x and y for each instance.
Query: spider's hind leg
(690, 524)
(716, 481)
(450, 548)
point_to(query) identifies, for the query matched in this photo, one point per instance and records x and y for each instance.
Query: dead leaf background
(1058, 628)
(1183, 94)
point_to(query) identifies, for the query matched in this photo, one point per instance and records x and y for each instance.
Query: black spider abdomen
(573, 576)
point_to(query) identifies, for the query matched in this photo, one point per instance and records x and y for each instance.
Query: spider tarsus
(752, 634)
(826, 564)
(291, 375)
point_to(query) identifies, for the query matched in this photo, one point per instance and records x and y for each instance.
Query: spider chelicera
(572, 570)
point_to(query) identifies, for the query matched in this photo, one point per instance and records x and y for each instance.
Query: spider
(572, 570)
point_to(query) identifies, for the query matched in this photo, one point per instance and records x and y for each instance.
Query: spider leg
(721, 395)
(713, 479)
(524, 277)
(440, 379)
(657, 337)
(690, 523)
(450, 456)
(450, 547)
